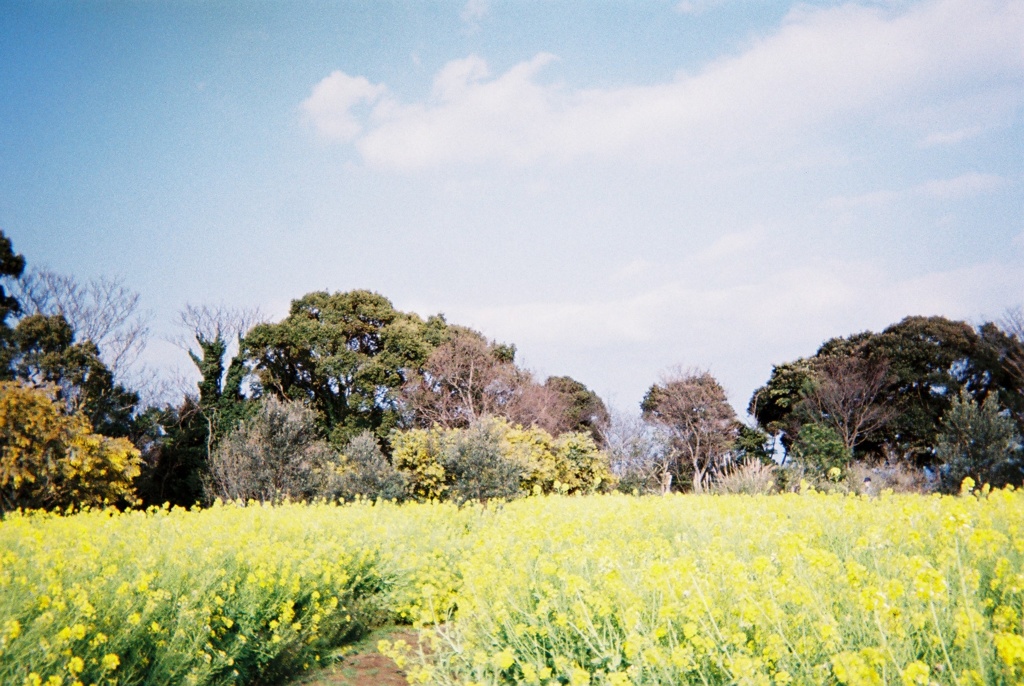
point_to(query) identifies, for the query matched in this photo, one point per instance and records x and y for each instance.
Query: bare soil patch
(363, 665)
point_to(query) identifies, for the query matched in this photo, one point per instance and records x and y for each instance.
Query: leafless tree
(210, 322)
(103, 310)
(461, 381)
(203, 324)
(847, 396)
(1012, 324)
(465, 379)
(693, 407)
(639, 453)
(538, 405)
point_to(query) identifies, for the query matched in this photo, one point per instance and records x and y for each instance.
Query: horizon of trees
(344, 374)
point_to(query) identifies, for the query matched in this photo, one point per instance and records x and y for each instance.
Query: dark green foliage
(174, 445)
(753, 444)
(346, 355)
(476, 467)
(368, 474)
(11, 265)
(929, 360)
(584, 409)
(773, 405)
(43, 350)
(221, 401)
(179, 441)
(1001, 354)
(504, 352)
(819, 449)
(981, 442)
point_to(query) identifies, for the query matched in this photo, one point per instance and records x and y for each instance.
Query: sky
(618, 188)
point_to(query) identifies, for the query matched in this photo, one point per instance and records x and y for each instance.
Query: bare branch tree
(461, 382)
(639, 453)
(464, 380)
(693, 407)
(210, 322)
(103, 310)
(846, 396)
(1012, 324)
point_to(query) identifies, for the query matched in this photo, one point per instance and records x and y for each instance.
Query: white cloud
(821, 65)
(958, 188)
(965, 186)
(474, 11)
(697, 6)
(727, 312)
(330, 105)
(950, 137)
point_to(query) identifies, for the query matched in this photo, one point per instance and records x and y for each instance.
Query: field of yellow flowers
(799, 588)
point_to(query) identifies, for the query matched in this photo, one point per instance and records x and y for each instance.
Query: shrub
(819, 449)
(447, 463)
(978, 441)
(49, 459)
(367, 473)
(276, 454)
(752, 477)
(477, 466)
(871, 479)
(417, 453)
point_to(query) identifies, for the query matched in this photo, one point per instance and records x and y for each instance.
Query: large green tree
(11, 266)
(346, 355)
(927, 362)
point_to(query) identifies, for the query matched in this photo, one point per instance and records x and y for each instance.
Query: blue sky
(617, 188)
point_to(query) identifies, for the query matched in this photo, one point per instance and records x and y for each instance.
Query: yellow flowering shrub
(570, 463)
(51, 459)
(417, 453)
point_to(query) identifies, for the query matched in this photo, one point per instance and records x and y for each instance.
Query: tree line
(348, 397)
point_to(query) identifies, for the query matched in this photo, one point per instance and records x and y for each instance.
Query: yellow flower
(916, 674)
(110, 662)
(579, 676)
(504, 659)
(618, 679)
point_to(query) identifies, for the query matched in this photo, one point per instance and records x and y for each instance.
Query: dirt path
(364, 666)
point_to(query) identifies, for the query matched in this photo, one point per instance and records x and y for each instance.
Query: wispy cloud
(723, 300)
(957, 188)
(697, 6)
(819, 67)
(950, 137)
(473, 12)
